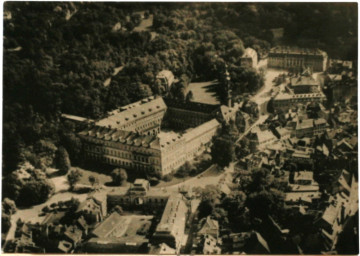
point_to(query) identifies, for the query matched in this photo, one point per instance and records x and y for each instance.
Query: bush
(5, 223)
(185, 170)
(73, 177)
(8, 206)
(45, 209)
(35, 192)
(168, 177)
(154, 181)
(63, 160)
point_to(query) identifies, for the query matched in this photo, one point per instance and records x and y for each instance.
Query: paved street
(262, 97)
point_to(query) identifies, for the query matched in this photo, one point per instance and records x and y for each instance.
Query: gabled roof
(173, 215)
(297, 51)
(201, 129)
(304, 175)
(209, 224)
(305, 124)
(116, 135)
(346, 143)
(344, 183)
(162, 248)
(303, 80)
(108, 225)
(320, 121)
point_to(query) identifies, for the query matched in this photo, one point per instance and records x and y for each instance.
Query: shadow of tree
(216, 91)
(58, 173)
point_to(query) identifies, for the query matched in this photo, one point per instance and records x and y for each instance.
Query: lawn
(204, 92)
(84, 179)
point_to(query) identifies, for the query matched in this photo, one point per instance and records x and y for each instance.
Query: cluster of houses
(290, 143)
(142, 219)
(134, 219)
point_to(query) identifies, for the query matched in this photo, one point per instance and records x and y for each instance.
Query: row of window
(296, 62)
(149, 200)
(122, 154)
(146, 123)
(128, 164)
(286, 103)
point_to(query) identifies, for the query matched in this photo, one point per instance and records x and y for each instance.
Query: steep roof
(201, 129)
(303, 196)
(173, 215)
(320, 121)
(162, 249)
(265, 135)
(303, 175)
(75, 118)
(303, 80)
(132, 112)
(112, 222)
(288, 96)
(305, 124)
(297, 51)
(121, 136)
(209, 224)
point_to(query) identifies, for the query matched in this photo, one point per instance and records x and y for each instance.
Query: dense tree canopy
(222, 151)
(69, 58)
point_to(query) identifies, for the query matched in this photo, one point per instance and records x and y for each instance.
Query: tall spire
(228, 88)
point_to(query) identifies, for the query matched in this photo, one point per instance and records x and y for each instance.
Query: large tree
(210, 197)
(222, 151)
(265, 202)
(74, 177)
(119, 176)
(63, 160)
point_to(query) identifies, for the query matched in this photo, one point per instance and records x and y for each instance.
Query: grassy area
(204, 92)
(84, 180)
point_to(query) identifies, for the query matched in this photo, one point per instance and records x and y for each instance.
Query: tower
(228, 89)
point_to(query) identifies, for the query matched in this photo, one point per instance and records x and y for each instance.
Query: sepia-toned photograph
(176, 128)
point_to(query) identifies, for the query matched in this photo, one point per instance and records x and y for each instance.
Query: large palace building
(302, 89)
(294, 57)
(143, 117)
(131, 138)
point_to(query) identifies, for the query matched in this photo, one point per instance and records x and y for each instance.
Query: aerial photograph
(180, 128)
